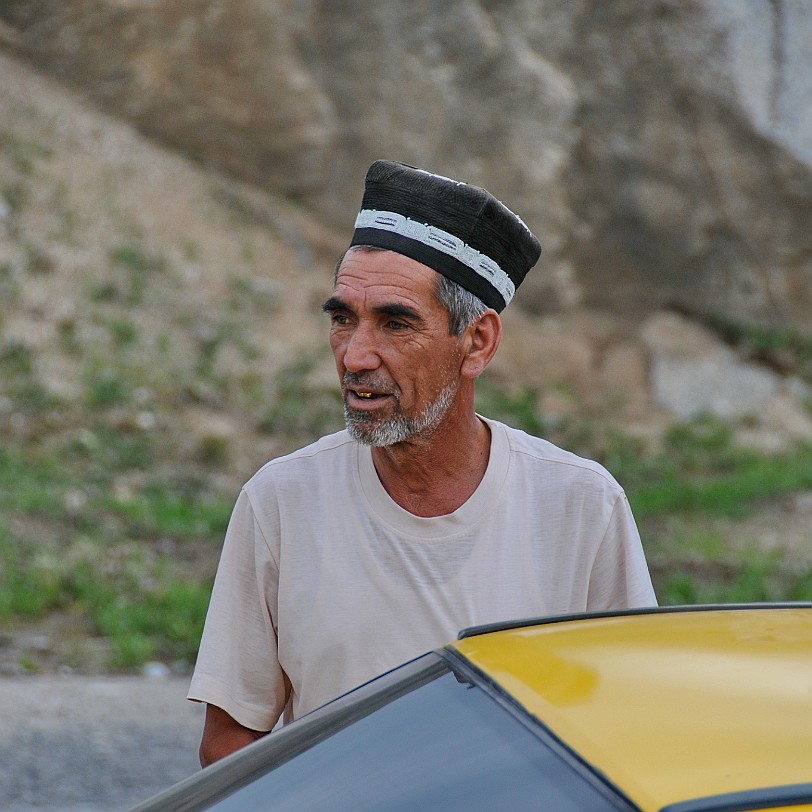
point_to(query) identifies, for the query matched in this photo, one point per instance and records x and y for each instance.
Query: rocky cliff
(661, 150)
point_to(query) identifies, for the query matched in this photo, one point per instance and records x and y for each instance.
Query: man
(378, 543)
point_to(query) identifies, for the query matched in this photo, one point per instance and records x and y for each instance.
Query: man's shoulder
(536, 452)
(330, 450)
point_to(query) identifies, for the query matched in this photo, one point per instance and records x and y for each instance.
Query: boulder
(692, 373)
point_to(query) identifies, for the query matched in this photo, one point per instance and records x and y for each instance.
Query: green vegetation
(300, 409)
(785, 349)
(700, 469)
(126, 357)
(93, 526)
(518, 409)
(145, 606)
(101, 557)
(760, 577)
(22, 386)
(702, 480)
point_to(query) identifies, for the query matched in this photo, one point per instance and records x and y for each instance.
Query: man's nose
(360, 351)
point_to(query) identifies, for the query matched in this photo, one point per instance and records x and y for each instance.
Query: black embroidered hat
(459, 230)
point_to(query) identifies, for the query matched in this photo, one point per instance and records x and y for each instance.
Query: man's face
(398, 366)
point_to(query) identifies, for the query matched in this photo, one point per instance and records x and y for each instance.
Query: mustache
(361, 380)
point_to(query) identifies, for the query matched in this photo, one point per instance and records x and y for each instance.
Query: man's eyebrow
(395, 309)
(334, 303)
(399, 311)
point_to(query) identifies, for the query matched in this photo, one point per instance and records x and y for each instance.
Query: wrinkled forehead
(379, 278)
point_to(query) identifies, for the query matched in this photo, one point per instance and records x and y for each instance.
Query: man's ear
(481, 342)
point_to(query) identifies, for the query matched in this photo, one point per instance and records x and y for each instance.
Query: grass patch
(102, 451)
(519, 409)
(164, 623)
(701, 470)
(133, 258)
(123, 332)
(130, 269)
(19, 381)
(29, 486)
(157, 512)
(99, 560)
(734, 493)
(106, 390)
(299, 408)
(763, 578)
(784, 348)
(222, 352)
(10, 285)
(143, 606)
(42, 488)
(115, 527)
(26, 591)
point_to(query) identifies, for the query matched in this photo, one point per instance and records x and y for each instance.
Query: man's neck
(436, 474)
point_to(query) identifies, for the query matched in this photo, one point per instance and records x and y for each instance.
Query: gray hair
(463, 307)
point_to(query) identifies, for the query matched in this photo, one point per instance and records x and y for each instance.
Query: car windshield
(444, 743)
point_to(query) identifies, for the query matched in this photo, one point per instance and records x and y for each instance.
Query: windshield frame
(596, 778)
(203, 790)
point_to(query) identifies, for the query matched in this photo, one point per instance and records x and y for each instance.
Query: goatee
(370, 430)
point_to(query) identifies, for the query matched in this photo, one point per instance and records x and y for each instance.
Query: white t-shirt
(326, 582)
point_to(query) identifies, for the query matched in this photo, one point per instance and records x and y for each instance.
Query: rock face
(692, 373)
(661, 150)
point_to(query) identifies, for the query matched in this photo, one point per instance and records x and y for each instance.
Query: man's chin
(375, 432)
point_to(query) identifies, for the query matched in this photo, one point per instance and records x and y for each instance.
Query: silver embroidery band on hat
(441, 241)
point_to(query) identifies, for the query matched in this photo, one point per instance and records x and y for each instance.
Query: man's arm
(222, 735)
(237, 667)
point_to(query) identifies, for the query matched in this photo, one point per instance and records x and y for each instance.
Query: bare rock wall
(661, 150)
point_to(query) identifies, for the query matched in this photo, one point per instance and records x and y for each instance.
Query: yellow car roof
(669, 705)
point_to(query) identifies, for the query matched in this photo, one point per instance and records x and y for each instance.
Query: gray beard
(397, 429)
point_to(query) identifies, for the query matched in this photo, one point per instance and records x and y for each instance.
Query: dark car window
(447, 745)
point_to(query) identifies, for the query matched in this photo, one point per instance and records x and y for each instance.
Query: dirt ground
(86, 744)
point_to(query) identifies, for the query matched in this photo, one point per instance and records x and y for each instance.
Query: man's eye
(338, 318)
(396, 325)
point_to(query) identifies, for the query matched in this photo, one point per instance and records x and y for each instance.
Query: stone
(715, 384)
(691, 372)
(783, 421)
(156, 671)
(5, 215)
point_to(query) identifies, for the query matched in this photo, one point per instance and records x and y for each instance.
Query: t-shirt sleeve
(237, 666)
(620, 577)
